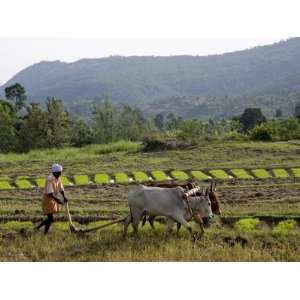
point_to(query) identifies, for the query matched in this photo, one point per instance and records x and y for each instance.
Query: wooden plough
(74, 229)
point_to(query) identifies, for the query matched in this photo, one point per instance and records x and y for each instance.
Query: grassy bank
(127, 156)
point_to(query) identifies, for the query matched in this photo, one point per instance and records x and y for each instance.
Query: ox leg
(126, 224)
(178, 227)
(199, 220)
(151, 221)
(184, 223)
(170, 224)
(136, 217)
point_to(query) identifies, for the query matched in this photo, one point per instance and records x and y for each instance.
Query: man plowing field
(51, 202)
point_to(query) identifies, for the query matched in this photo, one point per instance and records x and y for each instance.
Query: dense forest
(215, 86)
(26, 126)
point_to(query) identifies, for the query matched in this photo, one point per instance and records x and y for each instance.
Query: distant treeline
(24, 127)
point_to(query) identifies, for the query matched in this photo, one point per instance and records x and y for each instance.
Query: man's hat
(56, 168)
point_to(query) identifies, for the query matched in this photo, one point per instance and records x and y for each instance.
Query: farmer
(51, 201)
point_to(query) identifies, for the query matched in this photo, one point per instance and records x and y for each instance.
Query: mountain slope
(273, 68)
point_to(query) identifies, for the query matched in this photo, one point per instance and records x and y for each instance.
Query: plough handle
(103, 226)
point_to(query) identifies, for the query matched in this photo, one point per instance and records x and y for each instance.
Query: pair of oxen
(178, 203)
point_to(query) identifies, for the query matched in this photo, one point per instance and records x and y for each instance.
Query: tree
(278, 113)
(34, 128)
(105, 120)
(58, 132)
(297, 110)
(81, 133)
(7, 131)
(131, 123)
(191, 130)
(159, 121)
(172, 122)
(250, 118)
(17, 94)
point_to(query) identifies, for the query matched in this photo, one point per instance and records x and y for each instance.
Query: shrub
(199, 175)
(235, 136)
(246, 225)
(275, 130)
(101, 178)
(153, 143)
(191, 130)
(284, 227)
(266, 132)
(179, 175)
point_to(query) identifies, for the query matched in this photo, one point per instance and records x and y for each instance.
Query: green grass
(121, 178)
(199, 175)
(280, 173)
(217, 244)
(219, 174)
(241, 174)
(16, 225)
(261, 173)
(81, 179)
(4, 178)
(22, 182)
(207, 155)
(284, 227)
(296, 172)
(101, 178)
(179, 175)
(159, 175)
(90, 151)
(5, 185)
(40, 182)
(140, 176)
(246, 225)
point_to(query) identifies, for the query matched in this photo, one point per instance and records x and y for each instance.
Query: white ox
(169, 202)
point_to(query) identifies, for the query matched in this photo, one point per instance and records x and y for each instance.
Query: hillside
(273, 69)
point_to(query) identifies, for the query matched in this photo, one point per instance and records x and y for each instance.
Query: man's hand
(56, 199)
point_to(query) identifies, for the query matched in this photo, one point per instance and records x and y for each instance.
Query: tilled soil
(104, 200)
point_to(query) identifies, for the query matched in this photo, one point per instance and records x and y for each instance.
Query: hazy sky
(19, 53)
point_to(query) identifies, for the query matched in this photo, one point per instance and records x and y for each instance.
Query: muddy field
(267, 201)
(105, 201)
